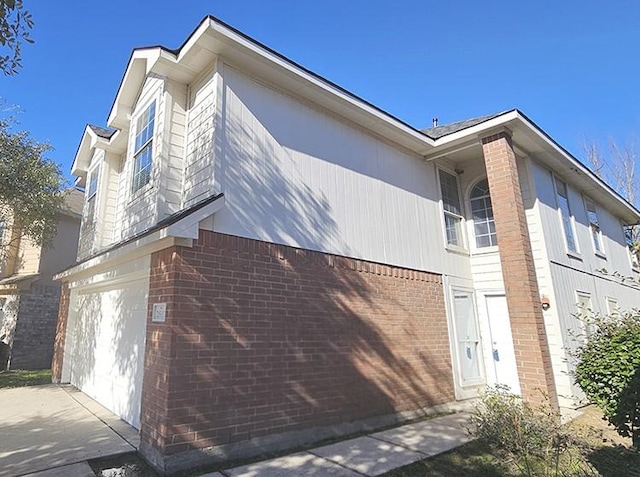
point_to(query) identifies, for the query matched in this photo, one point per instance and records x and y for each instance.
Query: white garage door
(104, 351)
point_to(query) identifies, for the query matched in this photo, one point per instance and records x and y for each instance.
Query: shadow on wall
(268, 339)
(108, 347)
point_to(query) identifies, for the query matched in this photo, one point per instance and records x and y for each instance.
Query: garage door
(104, 351)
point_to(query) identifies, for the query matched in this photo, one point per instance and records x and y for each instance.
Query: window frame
(462, 246)
(493, 246)
(94, 172)
(612, 310)
(587, 328)
(594, 227)
(136, 185)
(571, 218)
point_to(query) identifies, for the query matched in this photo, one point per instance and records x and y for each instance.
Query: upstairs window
(143, 149)
(452, 208)
(565, 213)
(94, 177)
(484, 225)
(632, 246)
(594, 225)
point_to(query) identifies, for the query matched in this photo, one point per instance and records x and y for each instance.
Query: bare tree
(618, 168)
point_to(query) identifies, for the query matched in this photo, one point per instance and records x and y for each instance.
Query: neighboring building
(29, 298)
(268, 260)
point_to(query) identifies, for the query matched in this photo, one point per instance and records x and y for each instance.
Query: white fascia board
(514, 119)
(190, 225)
(581, 168)
(145, 245)
(180, 233)
(478, 129)
(233, 43)
(317, 82)
(139, 65)
(85, 150)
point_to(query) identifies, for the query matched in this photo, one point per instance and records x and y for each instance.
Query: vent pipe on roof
(435, 122)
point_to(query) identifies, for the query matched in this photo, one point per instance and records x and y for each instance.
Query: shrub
(532, 435)
(608, 370)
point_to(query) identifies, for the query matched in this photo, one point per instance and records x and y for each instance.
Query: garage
(105, 340)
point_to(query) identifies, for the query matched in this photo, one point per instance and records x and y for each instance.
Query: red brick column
(61, 331)
(523, 296)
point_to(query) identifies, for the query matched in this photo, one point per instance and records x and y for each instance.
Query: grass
(20, 378)
(596, 451)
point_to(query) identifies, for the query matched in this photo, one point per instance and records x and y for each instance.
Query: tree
(618, 168)
(30, 189)
(608, 370)
(15, 27)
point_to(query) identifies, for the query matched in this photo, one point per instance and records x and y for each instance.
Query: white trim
(174, 234)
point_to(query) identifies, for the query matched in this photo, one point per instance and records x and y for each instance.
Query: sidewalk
(369, 455)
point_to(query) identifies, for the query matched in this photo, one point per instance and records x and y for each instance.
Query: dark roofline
(166, 222)
(589, 171)
(177, 51)
(106, 133)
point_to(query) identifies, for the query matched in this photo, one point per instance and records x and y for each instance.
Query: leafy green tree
(30, 188)
(608, 370)
(15, 27)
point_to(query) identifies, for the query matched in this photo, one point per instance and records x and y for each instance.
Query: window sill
(141, 193)
(457, 249)
(600, 255)
(485, 250)
(574, 255)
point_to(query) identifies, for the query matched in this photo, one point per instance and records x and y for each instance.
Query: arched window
(483, 224)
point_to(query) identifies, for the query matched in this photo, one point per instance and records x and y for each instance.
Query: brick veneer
(262, 339)
(523, 297)
(61, 331)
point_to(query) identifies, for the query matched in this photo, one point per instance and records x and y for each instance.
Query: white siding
(560, 275)
(170, 164)
(198, 168)
(296, 176)
(139, 211)
(111, 174)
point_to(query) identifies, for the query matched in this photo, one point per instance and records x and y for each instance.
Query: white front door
(467, 345)
(502, 355)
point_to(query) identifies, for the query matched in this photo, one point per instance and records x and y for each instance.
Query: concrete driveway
(49, 426)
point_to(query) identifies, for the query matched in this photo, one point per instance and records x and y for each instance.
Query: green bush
(608, 370)
(532, 435)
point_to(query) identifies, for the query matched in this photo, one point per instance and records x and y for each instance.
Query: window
(629, 237)
(567, 218)
(143, 150)
(483, 224)
(94, 177)
(612, 306)
(594, 225)
(452, 208)
(584, 312)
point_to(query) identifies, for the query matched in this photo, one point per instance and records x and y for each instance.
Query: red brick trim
(533, 358)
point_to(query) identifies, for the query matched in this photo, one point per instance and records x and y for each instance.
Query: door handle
(496, 355)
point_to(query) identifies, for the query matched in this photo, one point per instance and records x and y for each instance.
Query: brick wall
(521, 286)
(35, 328)
(61, 331)
(261, 339)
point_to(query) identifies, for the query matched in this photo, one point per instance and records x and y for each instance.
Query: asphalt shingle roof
(102, 132)
(446, 129)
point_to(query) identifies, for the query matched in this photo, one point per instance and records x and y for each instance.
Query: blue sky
(572, 66)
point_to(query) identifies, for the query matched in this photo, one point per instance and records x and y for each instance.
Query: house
(29, 297)
(268, 260)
